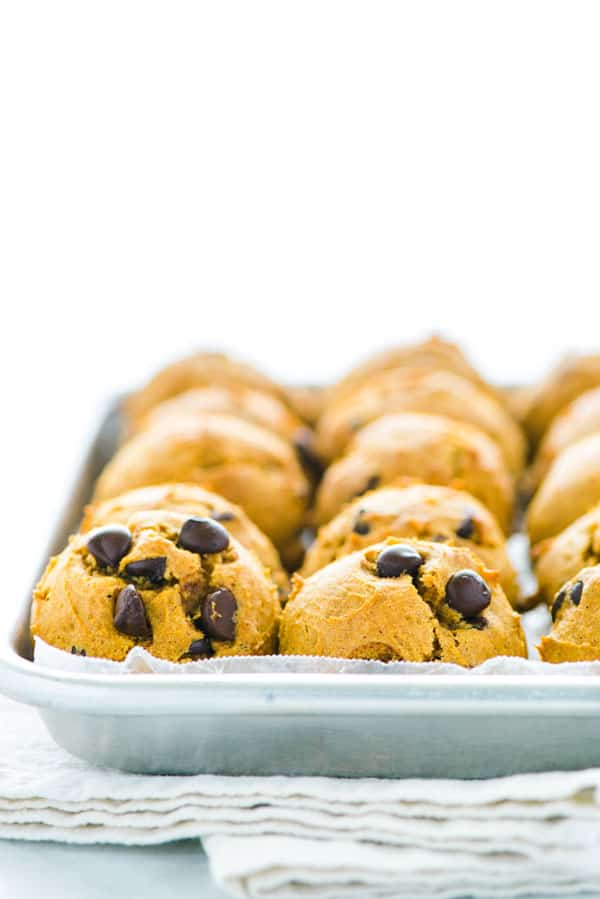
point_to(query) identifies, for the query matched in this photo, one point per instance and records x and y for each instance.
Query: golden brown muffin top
(402, 600)
(435, 392)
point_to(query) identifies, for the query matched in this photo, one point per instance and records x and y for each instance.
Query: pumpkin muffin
(577, 420)
(254, 406)
(575, 634)
(402, 600)
(559, 558)
(420, 390)
(433, 353)
(423, 511)
(244, 463)
(569, 490)
(192, 501)
(425, 448)
(197, 370)
(570, 378)
(181, 587)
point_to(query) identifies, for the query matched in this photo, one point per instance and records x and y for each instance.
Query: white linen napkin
(536, 834)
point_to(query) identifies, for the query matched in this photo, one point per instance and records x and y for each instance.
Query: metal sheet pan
(300, 724)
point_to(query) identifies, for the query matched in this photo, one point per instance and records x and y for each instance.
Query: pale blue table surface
(59, 871)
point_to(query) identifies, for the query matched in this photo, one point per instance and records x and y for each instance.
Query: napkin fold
(536, 834)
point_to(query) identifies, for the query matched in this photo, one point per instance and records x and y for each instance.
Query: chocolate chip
(398, 560)
(468, 593)
(466, 527)
(109, 544)
(203, 535)
(361, 527)
(77, 652)
(576, 591)
(152, 570)
(199, 649)
(218, 615)
(223, 516)
(309, 459)
(130, 614)
(479, 622)
(558, 601)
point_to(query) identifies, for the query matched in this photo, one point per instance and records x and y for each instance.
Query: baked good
(181, 587)
(569, 490)
(425, 448)
(575, 634)
(559, 558)
(433, 353)
(570, 378)
(579, 419)
(435, 392)
(252, 405)
(192, 501)
(198, 370)
(255, 406)
(402, 600)
(244, 463)
(423, 511)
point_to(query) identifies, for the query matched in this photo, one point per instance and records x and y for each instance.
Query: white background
(299, 182)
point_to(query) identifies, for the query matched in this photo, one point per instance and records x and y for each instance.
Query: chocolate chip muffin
(425, 448)
(575, 634)
(570, 489)
(254, 406)
(244, 463)
(577, 420)
(572, 377)
(420, 390)
(434, 353)
(559, 559)
(197, 370)
(423, 511)
(181, 587)
(193, 502)
(402, 600)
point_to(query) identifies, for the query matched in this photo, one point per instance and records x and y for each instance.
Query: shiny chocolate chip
(109, 544)
(468, 593)
(576, 591)
(362, 528)
(203, 535)
(199, 649)
(557, 604)
(77, 652)
(466, 527)
(398, 560)
(308, 456)
(130, 614)
(152, 570)
(218, 615)
(223, 516)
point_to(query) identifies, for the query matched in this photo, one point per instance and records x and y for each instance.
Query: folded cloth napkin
(536, 834)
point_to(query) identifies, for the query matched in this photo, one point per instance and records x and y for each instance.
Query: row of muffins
(562, 418)
(423, 460)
